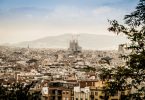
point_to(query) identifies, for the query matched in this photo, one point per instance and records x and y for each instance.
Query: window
(92, 93)
(96, 93)
(122, 93)
(116, 94)
(72, 93)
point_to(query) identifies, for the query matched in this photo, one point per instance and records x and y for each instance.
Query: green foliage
(88, 69)
(17, 91)
(107, 59)
(130, 77)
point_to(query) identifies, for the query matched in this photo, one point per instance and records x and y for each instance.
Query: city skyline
(25, 20)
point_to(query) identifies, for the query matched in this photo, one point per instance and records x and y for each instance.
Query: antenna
(28, 46)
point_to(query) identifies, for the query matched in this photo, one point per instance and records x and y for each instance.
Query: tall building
(74, 46)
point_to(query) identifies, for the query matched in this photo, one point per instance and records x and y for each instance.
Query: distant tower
(74, 46)
(28, 49)
(28, 46)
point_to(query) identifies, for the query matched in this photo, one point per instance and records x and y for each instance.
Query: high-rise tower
(74, 46)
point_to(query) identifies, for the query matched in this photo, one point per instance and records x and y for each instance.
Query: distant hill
(86, 41)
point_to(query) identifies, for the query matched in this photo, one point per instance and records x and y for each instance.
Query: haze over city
(72, 49)
(26, 20)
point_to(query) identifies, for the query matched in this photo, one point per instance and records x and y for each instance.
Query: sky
(25, 20)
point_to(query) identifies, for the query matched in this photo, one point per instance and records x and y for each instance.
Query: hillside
(87, 41)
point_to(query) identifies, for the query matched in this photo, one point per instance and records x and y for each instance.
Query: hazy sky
(23, 20)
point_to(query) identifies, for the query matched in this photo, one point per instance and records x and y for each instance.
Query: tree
(131, 77)
(107, 59)
(18, 91)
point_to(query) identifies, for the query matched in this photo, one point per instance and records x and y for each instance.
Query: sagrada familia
(74, 46)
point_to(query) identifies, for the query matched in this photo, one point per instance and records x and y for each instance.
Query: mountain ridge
(86, 41)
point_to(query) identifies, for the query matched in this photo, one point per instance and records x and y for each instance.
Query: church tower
(74, 46)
